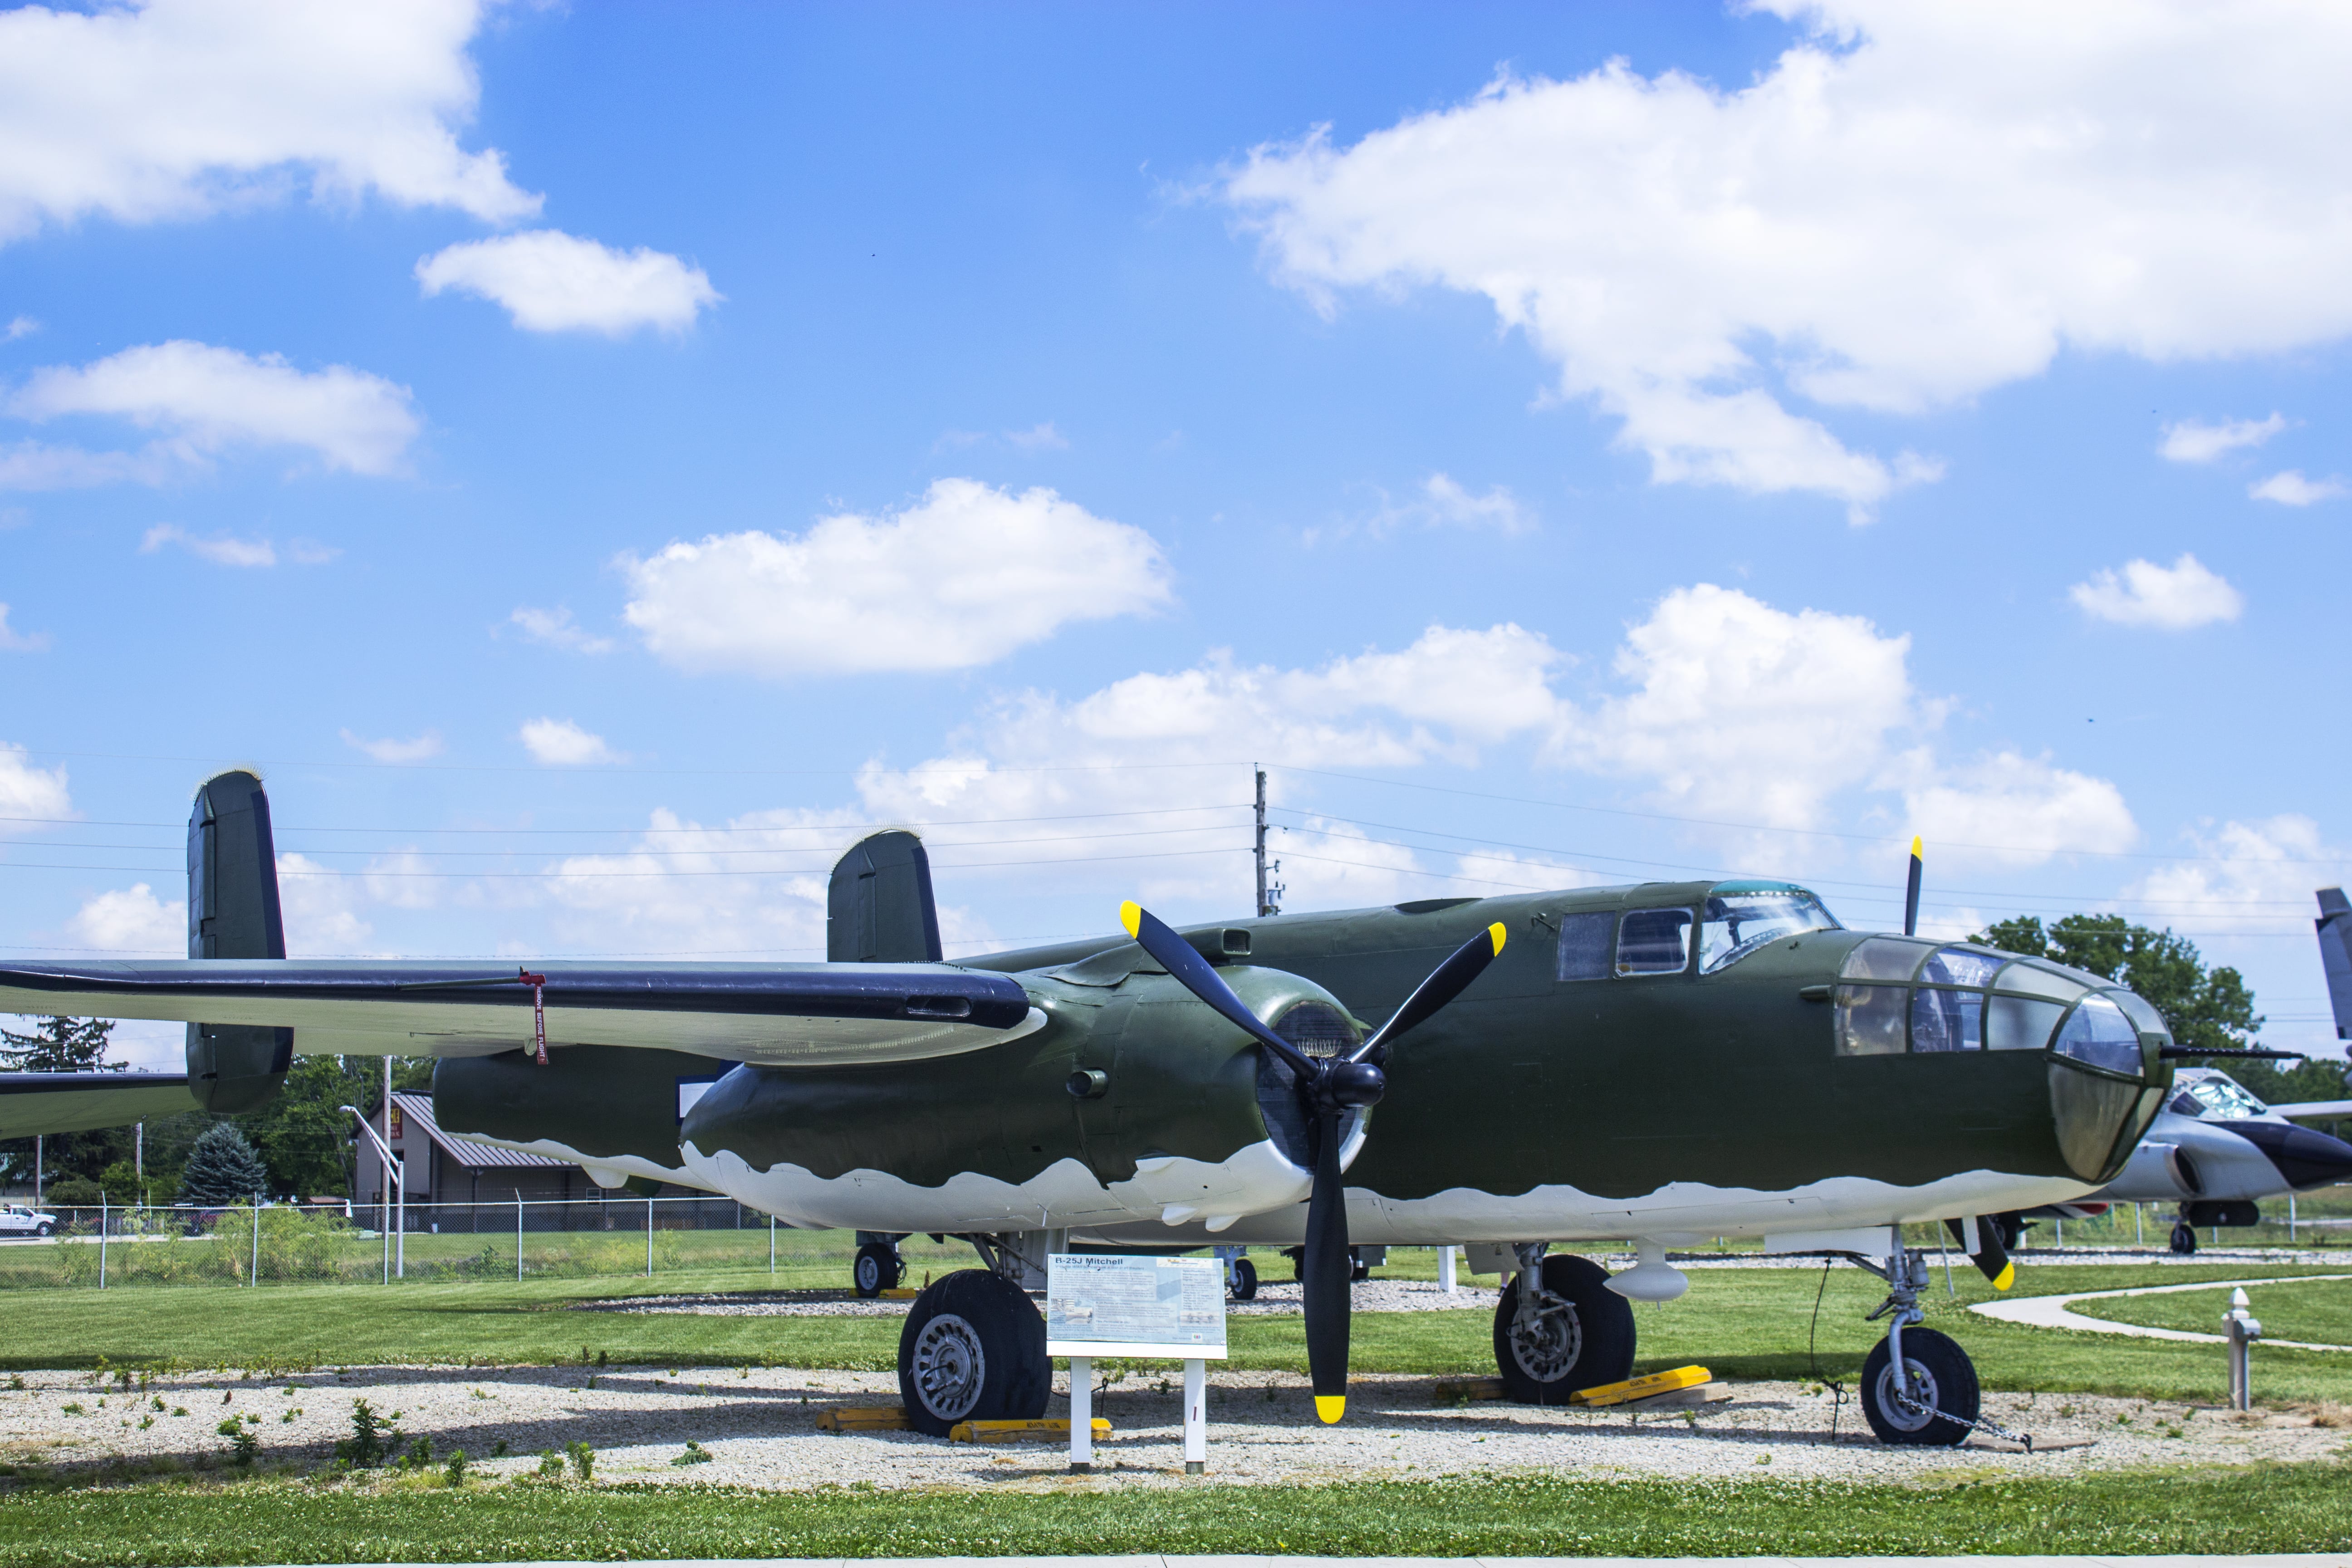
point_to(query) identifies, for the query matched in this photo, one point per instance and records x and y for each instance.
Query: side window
(1584, 945)
(1653, 941)
(1870, 1020)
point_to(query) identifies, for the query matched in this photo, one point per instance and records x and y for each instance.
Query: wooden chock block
(864, 1418)
(1643, 1387)
(1682, 1398)
(1455, 1390)
(1012, 1431)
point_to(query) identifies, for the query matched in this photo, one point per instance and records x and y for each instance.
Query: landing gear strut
(1918, 1387)
(1558, 1328)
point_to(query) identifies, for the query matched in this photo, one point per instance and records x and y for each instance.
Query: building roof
(416, 1111)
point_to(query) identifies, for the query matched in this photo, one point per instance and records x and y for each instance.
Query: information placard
(1128, 1306)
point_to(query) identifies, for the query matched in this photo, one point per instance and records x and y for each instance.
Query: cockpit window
(2217, 1097)
(1739, 920)
(1653, 941)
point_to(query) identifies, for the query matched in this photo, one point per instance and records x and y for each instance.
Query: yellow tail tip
(1130, 915)
(1330, 1407)
(1499, 935)
(2007, 1277)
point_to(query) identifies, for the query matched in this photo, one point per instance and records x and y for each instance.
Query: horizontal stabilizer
(38, 1103)
(778, 1015)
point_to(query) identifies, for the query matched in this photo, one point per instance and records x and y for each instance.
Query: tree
(223, 1169)
(61, 1045)
(2205, 1009)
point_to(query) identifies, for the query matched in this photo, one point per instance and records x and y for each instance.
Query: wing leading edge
(782, 1015)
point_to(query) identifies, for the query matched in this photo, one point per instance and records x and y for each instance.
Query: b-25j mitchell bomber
(1654, 1064)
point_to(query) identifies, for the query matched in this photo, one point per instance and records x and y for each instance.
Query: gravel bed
(759, 1427)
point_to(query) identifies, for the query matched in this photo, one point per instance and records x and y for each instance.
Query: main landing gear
(1918, 1387)
(878, 1267)
(973, 1347)
(2184, 1238)
(1558, 1328)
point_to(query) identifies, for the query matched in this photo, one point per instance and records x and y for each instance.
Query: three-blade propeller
(1328, 1087)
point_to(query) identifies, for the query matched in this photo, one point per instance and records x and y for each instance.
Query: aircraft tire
(1245, 1282)
(2184, 1240)
(876, 1269)
(1951, 1392)
(1592, 1345)
(973, 1349)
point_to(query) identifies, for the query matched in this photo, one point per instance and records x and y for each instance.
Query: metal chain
(1991, 1428)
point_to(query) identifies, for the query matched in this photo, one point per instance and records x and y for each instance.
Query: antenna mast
(1269, 895)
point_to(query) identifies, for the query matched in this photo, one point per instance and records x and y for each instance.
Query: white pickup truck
(19, 1219)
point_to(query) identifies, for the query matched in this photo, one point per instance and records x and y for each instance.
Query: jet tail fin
(879, 907)
(233, 912)
(2335, 924)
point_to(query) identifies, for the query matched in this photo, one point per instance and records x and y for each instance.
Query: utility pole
(1269, 895)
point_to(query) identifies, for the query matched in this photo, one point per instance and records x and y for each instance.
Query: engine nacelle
(612, 1110)
(1135, 1101)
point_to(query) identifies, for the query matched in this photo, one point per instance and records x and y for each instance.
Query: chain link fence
(329, 1242)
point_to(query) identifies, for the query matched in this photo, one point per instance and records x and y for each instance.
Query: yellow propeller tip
(1499, 935)
(1330, 1407)
(1130, 915)
(1915, 847)
(2007, 1277)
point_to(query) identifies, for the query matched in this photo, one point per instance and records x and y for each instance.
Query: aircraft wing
(44, 1102)
(784, 1015)
(2313, 1107)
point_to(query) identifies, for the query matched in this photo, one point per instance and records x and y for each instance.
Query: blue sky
(601, 460)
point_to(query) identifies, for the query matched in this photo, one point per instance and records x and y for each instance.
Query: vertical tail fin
(2335, 924)
(233, 912)
(880, 908)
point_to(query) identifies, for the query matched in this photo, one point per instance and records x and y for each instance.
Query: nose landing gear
(1918, 1387)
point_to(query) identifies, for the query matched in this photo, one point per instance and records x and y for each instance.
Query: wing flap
(777, 1015)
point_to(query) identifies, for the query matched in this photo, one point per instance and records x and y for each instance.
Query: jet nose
(2305, 1158)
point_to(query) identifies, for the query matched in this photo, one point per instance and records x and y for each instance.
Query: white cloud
(2291, 489)
(2019, 811)
(19, 327)
(2194, 441)
(1913, 206)
(178, 108)
(1750, 713)
(14, 641)
(548, 281)
(321, 909)
(961, 578)
(1039, 438)
(561, 743)
(556, 630)
(221, 552)
(28, 791)
(2245, 877)
(132, 921)
(421, 749)
(203, 401)
(2171, 598)
(1447, 501)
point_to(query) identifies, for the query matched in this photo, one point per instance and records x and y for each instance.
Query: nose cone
(2305, 1158)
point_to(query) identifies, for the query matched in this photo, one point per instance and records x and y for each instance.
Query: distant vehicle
(22, 1219)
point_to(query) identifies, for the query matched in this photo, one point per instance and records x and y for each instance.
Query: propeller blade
(1911, 894)
(1446, 982)
(1323, 1268)
(1992, 1257)
(1199, 977)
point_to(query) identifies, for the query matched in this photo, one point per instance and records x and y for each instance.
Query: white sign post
(1168, 1308)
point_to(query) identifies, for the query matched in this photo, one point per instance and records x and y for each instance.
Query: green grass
(2304, 1508)
(2319, 1313)
(1740, 1323)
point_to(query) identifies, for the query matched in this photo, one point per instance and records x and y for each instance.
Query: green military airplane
(1658, 1063)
